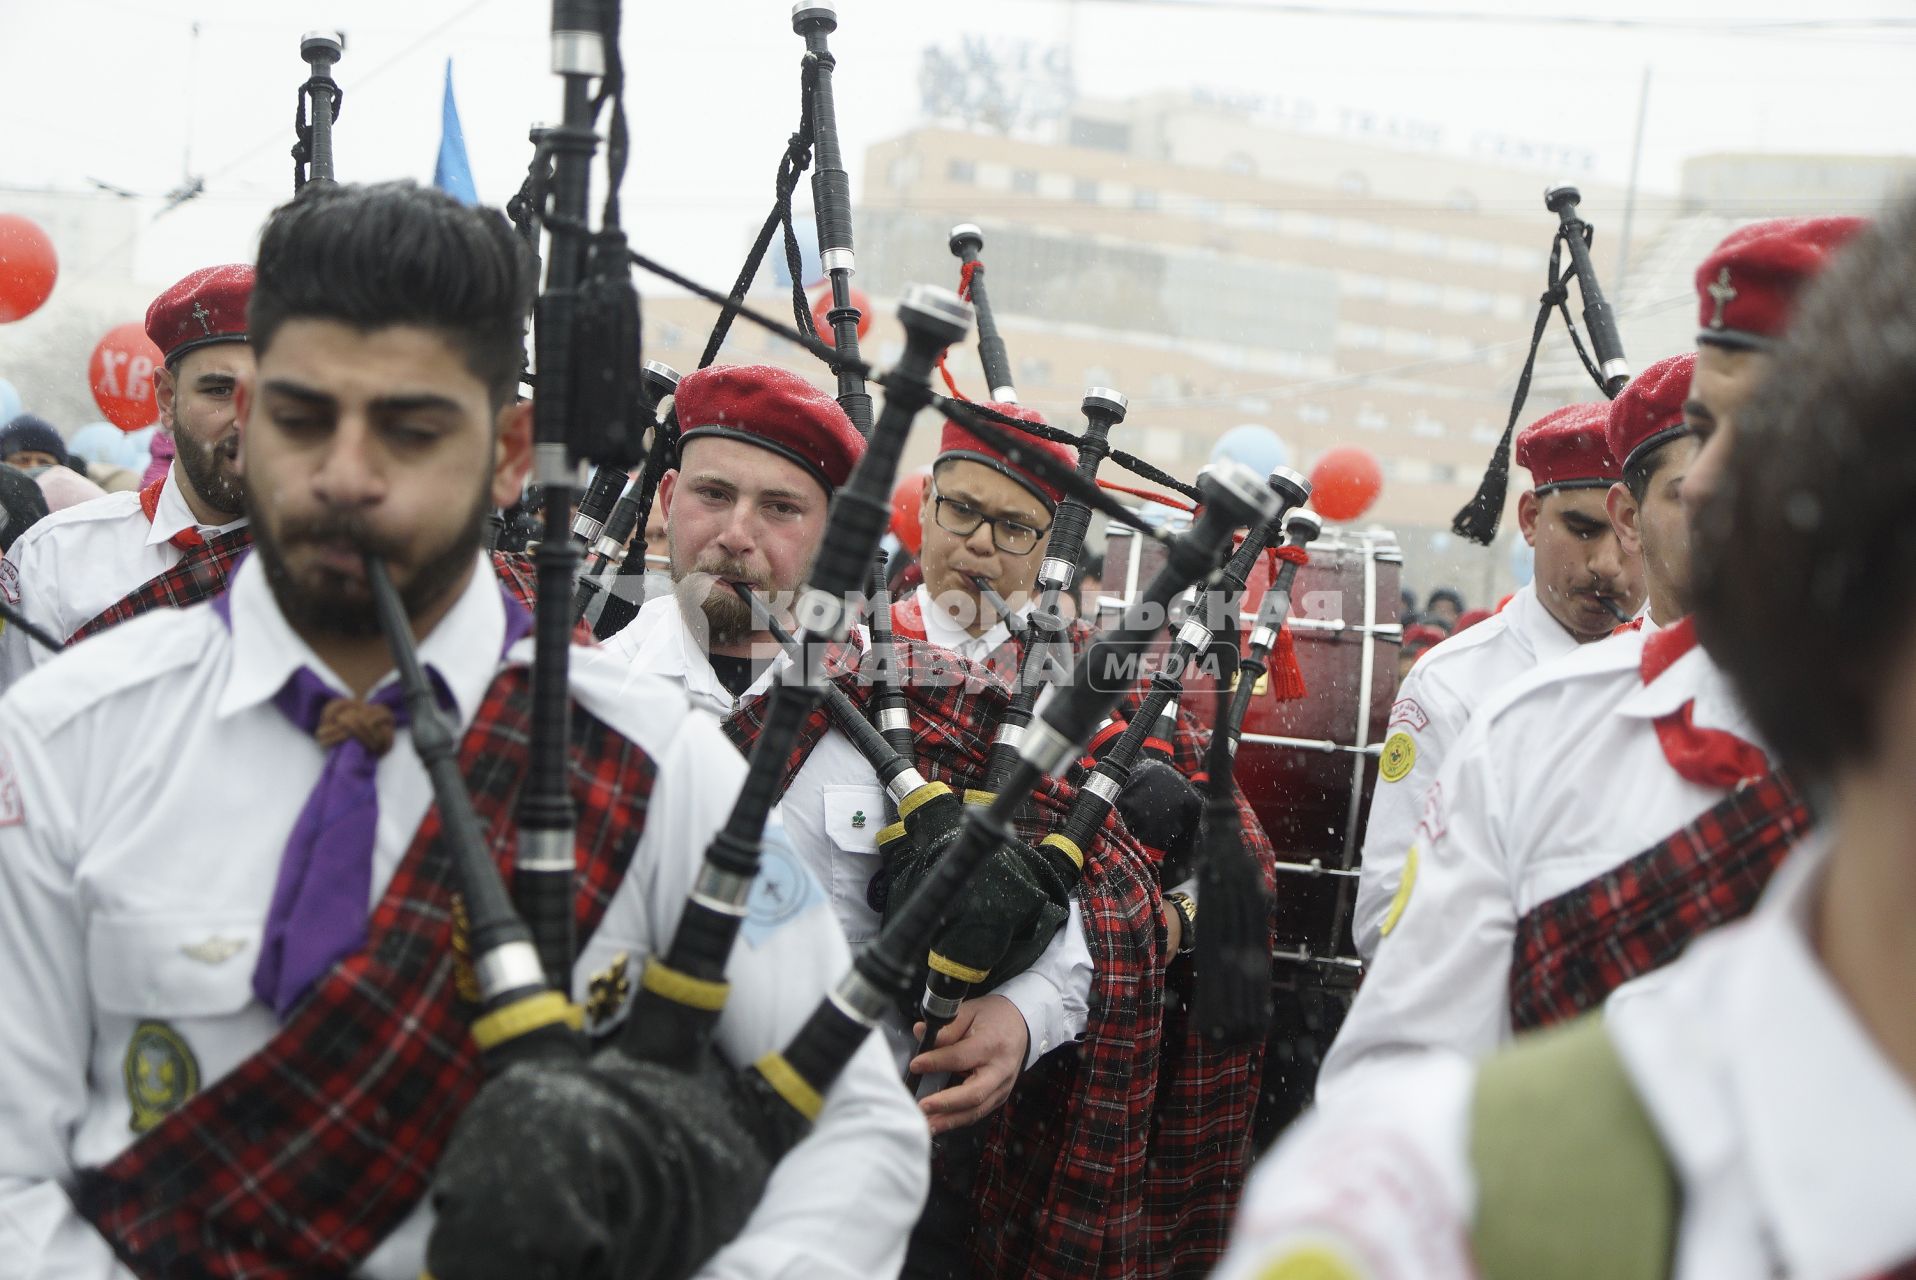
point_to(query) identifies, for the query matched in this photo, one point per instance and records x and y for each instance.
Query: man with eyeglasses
(985, 522)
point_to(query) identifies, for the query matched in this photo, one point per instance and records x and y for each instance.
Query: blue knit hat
(29, 432)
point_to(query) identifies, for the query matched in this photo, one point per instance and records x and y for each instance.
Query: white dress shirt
(1433, 705)
(71, 567)
(834, 810)
(1790, 1131)
(1558, 780)
(947, 634)
(149, 788)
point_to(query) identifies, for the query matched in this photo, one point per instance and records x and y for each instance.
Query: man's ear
(242, 407)
(512, 454)
(668, 486)
(1529, 509)
(1623, 511)
(163, 392)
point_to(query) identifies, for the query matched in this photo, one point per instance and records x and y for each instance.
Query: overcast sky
(120, 90)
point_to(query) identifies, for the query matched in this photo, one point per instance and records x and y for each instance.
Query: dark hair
(398, 253)
(1806, 548)
(1444, 593)
(1641, 470)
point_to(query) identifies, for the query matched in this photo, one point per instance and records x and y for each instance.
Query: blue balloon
(9, 402)
(1259, 448)
(96, 442)
(135, 449)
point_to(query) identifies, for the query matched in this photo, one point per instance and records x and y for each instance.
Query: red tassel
(1287, 678)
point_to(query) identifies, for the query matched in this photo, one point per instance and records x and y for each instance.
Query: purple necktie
(323, 896)
(326, 874)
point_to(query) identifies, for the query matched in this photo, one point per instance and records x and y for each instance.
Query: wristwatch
(1187, 935)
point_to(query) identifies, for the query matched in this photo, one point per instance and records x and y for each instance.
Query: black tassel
(1480, 516)
(1231, 1004)
(1232, 1000)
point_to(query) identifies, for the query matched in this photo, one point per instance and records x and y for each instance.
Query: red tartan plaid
(1127, 1156)
(303, 1158)
(199, 575)
(203, 573)
(1577, 948)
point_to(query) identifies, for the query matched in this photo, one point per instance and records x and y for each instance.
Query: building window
(903, 171)
(1085, 190)
(1024, 181)
(1427, 428)
(1034, 372)
(960, 170)
(1144, 199)
(1370, 419)
(1315, 414)
(1352, 183)
(1443, 473)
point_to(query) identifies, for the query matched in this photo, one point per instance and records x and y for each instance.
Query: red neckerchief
(185, 539)
(1707, 757)
(1623, 628)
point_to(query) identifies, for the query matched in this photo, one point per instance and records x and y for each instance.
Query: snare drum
(1308, 767)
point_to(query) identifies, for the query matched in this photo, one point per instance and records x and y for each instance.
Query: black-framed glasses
(1013, 537)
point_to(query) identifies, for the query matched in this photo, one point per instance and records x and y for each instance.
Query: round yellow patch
(1311, 1262)
(161, 1073)
(1399, 758)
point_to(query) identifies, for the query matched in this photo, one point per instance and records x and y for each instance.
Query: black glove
(610, 1169)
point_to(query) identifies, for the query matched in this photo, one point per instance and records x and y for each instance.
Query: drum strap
(1572, 1179)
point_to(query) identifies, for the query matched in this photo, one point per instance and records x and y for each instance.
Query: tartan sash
(203, 572)
(308, 1154)
(1575, 949)
(198, 575)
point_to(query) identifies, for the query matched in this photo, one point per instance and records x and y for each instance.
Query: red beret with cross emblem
(206, 307)
(1747, 287)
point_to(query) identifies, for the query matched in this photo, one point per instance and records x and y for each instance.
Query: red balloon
(1345, 481)
(907, 501)
(121, 374)
(28, 267)
(823, 304)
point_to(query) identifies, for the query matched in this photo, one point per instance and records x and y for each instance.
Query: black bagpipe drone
(1609, 369)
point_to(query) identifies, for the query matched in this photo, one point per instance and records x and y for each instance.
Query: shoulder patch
(161, 1073)
(1309, 1262)
(1408, 711)
(1401, 898)
(1399, 757)
(783, 891)
(9, 581)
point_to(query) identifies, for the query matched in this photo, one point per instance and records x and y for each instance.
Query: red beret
(1746, 288)
(1470, 618)
(1650, 410)
(960, 442)
(1421, 635)
(774, 409)
(206, 307)
(1568, 448)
